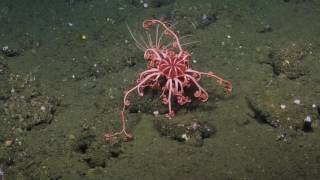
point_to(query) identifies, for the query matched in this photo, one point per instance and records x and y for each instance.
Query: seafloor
(60, 91)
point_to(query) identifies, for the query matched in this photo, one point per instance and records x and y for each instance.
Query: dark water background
(61, 91)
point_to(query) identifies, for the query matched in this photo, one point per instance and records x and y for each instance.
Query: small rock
(8, 142)
(297, 101)
(267, 28)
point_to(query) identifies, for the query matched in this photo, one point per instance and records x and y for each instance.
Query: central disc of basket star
(172, 66)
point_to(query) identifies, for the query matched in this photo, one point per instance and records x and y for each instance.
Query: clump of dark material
(288, 60)
(265, 29)
(93, 152)
(10, 52)
(28, 113)
(4, 75)
(276, 107)
(3, 67)
(25, 106)
(192, 130)
(195, 17)
(297, 1)
(151, 3)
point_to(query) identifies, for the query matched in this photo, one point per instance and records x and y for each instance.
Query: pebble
(5, 48)
(297, 101)
(185, 137)
(258, 49)
(8, 142)
(71, 137)
(33, 51)
(43, 108)
(308, 119)
(155, 113)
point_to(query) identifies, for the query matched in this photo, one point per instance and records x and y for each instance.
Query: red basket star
(171, 64)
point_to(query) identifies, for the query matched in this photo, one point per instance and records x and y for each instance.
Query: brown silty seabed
(64, 66)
